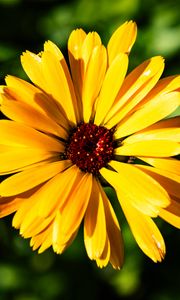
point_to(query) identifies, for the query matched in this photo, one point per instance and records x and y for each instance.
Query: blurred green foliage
(25, 275)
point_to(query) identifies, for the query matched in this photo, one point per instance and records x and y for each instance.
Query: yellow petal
(32, 65)
(37, 164)
(91, 41)
(57, 247)
(142, 191)
(167, 134)
(42, 240)
(51, 47)
(62, 187)
(164, 124)
(169, 181)
(23, 211)
(75, 207)
(23, 113)
(95, 224)
(111, 85)
(9, 205)
(135, 87)
(52, 195)
(36, 226)
(164, 86)
(25, 92)
(155, 148)
(59, 85)
(166, 164)
(1, 92)
(145, 231)
(56, 236)
(30, 178)
(105, 257)
(55, 51)
(37, 223)
(122, 40)
(167, 84)
(161, 129)
(88, 63)
(44, 202)
(75, 43)
(153, 111)
(26, 217)
(47, 242)
(171, 214)
(18, 158)
(114, 234)
(93, 79)
(16, 134)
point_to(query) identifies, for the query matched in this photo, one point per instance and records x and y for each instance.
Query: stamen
(90, 147)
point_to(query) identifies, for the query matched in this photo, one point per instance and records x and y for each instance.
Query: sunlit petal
(122, 40)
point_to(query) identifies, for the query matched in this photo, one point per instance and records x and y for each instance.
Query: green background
(25, 275)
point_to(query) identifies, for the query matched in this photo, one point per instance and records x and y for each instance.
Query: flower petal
(153, 111)
(9, 205)
(88, 64)
(53, 194)
(169, 181)
(135, 87)
(166, 164)
(16, 134)
(91, 41)
(32, 65)
(114, 78)
(104, 259)
(25, 92)
(163, 86)
(21, 157)
(144, 230)
(155, 148)
(55, 51)
(1, 93)
(80, 48)
(75, 43)
(59, 85)
(23, 113)
(142, 191)
(56, 235)
(42, 240)
(167, 84)
(30, 178)
(122, 40)
(167, 123)
(74, 209)
(95, 234)
(51, 47)
(46, 201)
(164, 134)
(171, 214)
(23, 213)
(93, 79)
(114, 234)
(36, 226)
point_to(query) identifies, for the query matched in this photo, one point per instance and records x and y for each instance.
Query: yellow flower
(70, 132)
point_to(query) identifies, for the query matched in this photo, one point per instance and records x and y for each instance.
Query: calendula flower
(73, 130)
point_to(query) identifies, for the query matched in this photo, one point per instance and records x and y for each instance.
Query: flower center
(90, 147)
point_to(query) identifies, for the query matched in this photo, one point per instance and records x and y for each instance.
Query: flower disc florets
(90, 147)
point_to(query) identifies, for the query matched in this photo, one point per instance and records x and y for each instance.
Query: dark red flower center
(90, 147)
